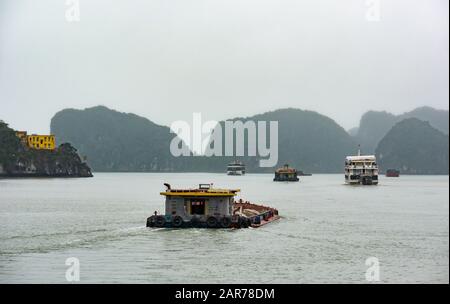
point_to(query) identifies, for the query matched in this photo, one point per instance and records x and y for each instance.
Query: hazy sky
(164, 59)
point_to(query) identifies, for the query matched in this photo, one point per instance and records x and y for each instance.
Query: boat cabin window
(197, 206)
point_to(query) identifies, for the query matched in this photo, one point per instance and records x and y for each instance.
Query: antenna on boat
(359, 150)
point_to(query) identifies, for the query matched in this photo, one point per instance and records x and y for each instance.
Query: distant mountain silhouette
(307, 140)
(114, 141)
(414, 147)
(438, 119)
(353, 131)
(375, 125)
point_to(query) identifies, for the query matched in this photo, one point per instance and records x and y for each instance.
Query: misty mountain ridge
(413, 146)
(123, 142)
(304, 141)
(115, 141)
(374, 125)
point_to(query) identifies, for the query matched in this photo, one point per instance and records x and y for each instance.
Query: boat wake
(44, 243)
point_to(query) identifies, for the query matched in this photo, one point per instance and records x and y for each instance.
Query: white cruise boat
(361, 169)
(236, 168)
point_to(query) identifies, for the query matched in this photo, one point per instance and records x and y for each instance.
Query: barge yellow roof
(200, 192)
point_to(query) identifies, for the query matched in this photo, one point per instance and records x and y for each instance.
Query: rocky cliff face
(19, 161)
(63, 162)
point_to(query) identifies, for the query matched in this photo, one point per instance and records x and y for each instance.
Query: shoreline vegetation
(19, 161)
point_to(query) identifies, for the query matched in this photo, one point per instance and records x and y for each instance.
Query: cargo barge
(207, 207)
(286, 174)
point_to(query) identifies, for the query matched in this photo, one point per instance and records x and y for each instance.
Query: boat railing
(362, 167)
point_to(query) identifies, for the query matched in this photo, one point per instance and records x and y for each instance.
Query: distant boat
(286, 174)
(392, 173)
(361, 169)
(236, 168)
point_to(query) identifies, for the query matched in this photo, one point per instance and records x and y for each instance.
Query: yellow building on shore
(42, 142)
(38, 142)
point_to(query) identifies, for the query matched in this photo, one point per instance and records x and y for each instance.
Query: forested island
(19, 160)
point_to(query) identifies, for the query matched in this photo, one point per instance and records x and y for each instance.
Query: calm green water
(327, 233)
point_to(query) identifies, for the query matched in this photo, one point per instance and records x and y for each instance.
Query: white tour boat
(236, 168)
(361, 169)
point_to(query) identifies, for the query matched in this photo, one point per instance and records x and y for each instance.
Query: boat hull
(365, 180)
(250, 215)
(296, 179)
(265, 222)
(236, 173)
(392, 173)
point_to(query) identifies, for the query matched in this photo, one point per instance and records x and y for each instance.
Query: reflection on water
(327, 232)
